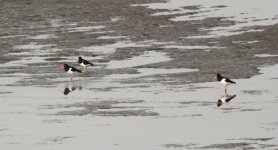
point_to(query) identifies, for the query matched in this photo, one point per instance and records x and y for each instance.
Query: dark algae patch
(105, 108)
(242, 145)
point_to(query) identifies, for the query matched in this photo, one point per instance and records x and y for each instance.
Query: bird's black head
(79, 59)
(217, 77)
(66, 65)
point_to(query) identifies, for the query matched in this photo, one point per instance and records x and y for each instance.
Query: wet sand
(107, 114)
(151, 87)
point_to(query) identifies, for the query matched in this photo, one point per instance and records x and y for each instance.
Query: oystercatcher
(69, 69)
(225, 99)
(84, 63)
(223, 80)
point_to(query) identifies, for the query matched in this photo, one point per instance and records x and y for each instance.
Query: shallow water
(149, 72)
(147, 58)
(106, 114)
(146, 98)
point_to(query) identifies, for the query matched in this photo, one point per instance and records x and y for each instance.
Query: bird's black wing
(230, 98)
(73, 88)
(87, 62)
(229, 81)
(74, 69)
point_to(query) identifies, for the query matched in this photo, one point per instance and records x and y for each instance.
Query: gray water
(145, 91)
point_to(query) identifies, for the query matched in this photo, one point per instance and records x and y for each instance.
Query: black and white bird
(223, 80)
(69, 69)
(225, 99)
(84, 63)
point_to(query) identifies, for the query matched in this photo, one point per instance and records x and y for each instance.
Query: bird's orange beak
(214, 77)
(61, 66)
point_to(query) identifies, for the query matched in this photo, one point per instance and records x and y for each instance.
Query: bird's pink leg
(85, 72)
(226, 90)
(71, 76)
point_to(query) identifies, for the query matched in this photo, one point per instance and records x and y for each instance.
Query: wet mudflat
(151, 87)
(107, 114)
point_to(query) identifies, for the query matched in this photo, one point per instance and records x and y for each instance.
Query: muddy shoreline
(151, 85)
(23, 20)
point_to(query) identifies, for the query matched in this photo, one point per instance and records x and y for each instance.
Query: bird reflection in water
(70, 87)
(225, 99)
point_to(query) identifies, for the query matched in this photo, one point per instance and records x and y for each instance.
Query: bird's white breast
(223, 99)
(70, 71)
(83, 65)
(223, 81)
